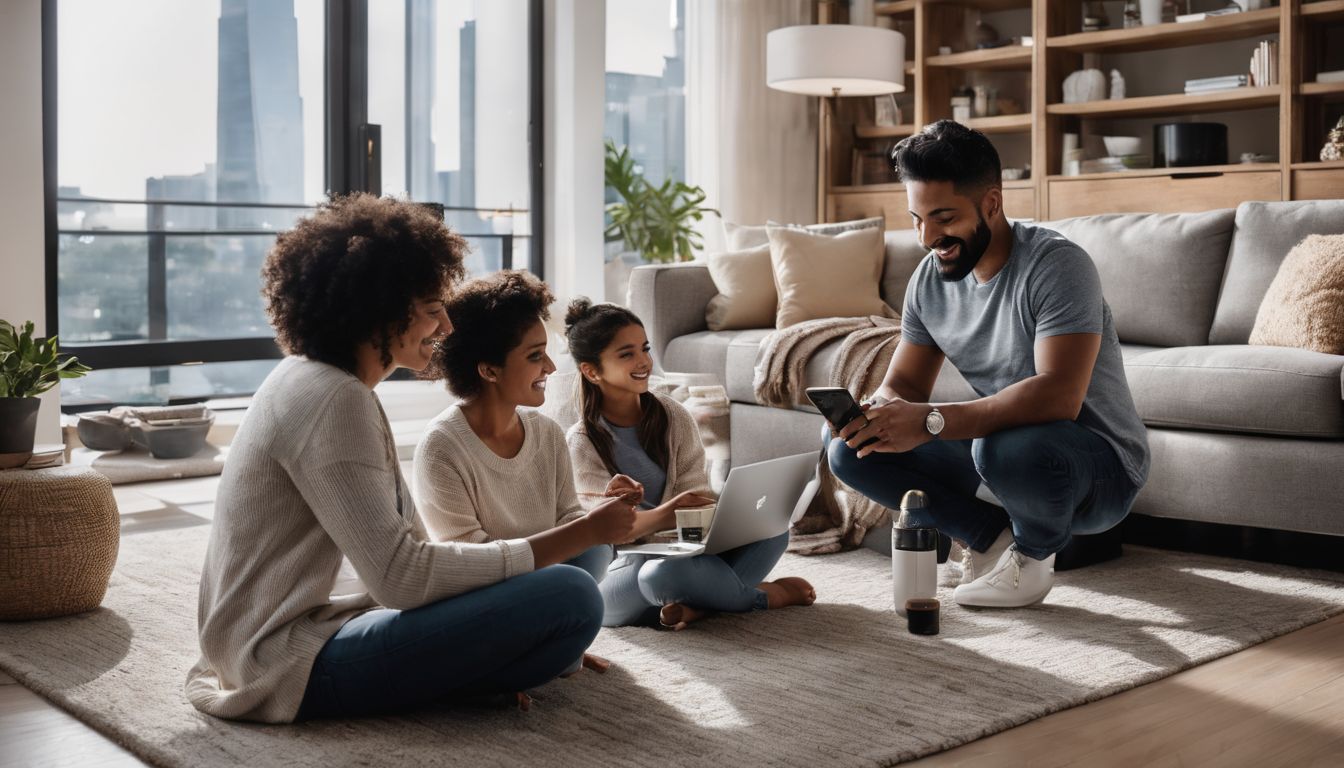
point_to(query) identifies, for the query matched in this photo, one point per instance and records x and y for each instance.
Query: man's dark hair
(490, 316)
(949, 151)
(352, 272)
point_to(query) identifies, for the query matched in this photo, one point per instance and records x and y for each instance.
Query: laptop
(759, 501)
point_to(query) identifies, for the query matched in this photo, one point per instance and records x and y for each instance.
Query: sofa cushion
(740, 237)
(820, 276)
(1304, 306)
(903, 254)
(1159, 272)
(1264, 234)
(746, 286)
(1238, 388)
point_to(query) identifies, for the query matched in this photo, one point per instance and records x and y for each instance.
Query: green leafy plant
(28, 366)
(655, 221)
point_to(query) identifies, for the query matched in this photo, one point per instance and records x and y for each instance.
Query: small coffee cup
(692, 522)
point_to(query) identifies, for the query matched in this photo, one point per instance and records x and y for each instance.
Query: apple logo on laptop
(760, 503)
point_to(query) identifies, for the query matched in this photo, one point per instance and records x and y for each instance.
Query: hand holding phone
(837, 406)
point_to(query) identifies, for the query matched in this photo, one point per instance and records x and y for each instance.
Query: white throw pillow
(740, 237)
(746, 286)
(820, 276)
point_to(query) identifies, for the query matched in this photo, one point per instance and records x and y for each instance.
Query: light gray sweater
(311, 476)
(467, 492)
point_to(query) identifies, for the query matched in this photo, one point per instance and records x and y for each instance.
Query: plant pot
(18, 425)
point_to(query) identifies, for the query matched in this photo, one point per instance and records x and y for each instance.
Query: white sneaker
(976, 564)
(1015, 581)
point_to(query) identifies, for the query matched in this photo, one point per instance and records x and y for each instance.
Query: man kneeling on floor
(1019, 311)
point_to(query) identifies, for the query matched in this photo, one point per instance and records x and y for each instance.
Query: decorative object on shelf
(1334, 144)
(944, 50)
(657, 222)
(1150, 11)
(886, 112)
(1014, 174)
(1256, 157)
(28, 367)
(1009, 106)
(1120, 146)
(986, 101)
(1084, 85)
(1095, 18)
(961, 104)
(1070, 155)
(1131, 13)
(835, 60)
(872, 166)
(1117, 84)
(1186, 18)
(1333, 76)
(1169, 11)
(985, 35)
(1177, 145)
(1250, 5)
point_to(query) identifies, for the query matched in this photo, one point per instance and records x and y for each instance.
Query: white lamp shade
(840, 59)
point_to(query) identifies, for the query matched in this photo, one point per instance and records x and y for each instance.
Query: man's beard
(968, 254)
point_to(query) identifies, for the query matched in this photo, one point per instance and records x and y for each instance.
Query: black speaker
(1183, 145)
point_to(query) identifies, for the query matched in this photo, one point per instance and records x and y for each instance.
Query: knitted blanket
(839, 516)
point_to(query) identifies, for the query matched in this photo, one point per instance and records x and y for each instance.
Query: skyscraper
(259, 123)
(421, 59)
(466, 178)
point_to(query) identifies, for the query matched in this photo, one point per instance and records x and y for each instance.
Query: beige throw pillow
(741, 237)
(1304, 306)
(746, 288)
(821, 276)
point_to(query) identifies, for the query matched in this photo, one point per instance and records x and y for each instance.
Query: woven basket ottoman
(59, 531)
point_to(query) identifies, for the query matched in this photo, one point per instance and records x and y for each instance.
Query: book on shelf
(1209, 84)
(1334, 76)
(1185, 18)
(1264, 67)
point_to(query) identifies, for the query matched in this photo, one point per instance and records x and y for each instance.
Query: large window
(646, 88)
(188, 133)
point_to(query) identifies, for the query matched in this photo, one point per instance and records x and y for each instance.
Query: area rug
(839, 683)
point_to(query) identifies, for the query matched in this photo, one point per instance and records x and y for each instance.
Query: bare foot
(675, 616)
(596, 663)
(524, 701)
(787, 591)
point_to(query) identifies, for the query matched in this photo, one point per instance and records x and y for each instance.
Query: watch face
(934, 422)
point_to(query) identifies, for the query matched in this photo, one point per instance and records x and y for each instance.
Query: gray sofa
(1242, 435)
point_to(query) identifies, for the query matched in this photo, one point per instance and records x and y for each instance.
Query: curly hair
(490, 316)
(352, 272)
(590, 329)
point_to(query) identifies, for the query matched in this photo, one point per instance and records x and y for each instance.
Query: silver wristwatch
(934, 423)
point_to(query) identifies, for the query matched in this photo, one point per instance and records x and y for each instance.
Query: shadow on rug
(840, 683)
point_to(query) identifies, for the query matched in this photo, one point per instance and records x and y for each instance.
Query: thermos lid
(906, 533)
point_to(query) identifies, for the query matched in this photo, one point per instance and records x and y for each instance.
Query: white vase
(1150, 12)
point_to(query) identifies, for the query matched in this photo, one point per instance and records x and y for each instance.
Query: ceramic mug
(692, 522)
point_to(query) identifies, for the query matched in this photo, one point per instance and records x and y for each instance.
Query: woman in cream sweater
(626, 430)
(355, 291)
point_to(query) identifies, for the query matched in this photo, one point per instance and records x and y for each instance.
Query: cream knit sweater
(312, 476)
(686, 462)
(467, 492)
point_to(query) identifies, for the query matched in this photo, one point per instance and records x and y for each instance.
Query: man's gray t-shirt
(1048, 287)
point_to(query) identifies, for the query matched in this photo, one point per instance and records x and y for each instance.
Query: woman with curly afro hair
(486, 469)
(355, 291)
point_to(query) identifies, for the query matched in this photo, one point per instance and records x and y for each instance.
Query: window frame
(345, 70)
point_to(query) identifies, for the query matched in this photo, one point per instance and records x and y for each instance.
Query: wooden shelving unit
(1299, 107)
(1172, 35)
(1174, 104)
(1007, 57)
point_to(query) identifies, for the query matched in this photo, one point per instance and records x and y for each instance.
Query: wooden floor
(1280, 703)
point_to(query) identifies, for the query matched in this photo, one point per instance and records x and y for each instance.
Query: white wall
(22, 254)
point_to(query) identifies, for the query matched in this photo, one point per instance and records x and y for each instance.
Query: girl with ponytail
(626, 430)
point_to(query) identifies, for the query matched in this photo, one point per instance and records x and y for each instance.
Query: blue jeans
(594, 560)
(1054, 480)
(638, 586)
(503, 638)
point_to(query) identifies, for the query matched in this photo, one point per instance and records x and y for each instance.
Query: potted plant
(28, 367)
(656, 221)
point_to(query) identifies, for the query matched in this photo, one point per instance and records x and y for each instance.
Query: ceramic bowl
(1014, 174)
(1119, 146)
(173, 439)
(103, 432)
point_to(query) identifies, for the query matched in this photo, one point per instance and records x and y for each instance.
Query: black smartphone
(837, 406)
